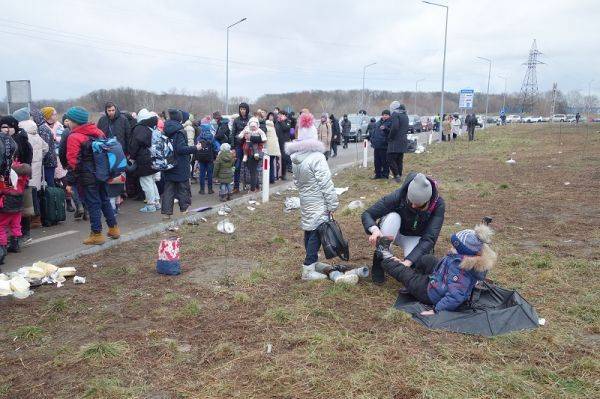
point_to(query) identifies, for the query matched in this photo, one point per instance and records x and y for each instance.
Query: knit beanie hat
(306, 127)
(78, 115)
(22, 114)
(225, 147)
(144, 114)
(419, 190)
(29, 126)
(48, 112)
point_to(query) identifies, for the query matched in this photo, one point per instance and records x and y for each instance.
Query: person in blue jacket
(177, 179)
(205, 156)
(448, 283)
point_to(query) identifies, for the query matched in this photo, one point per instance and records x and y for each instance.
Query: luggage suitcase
(52, 205)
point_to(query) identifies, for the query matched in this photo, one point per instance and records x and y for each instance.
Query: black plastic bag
(333, 240)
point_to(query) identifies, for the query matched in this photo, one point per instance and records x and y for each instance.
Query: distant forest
(318, 101)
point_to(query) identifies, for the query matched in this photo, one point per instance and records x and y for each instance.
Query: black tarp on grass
(491, 311)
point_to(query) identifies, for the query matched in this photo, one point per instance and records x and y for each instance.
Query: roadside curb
(157, 228)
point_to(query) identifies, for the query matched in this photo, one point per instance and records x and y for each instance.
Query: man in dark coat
(139, 151)
(412, 216)
(397, 140)
(370, 128)
(114, 124)
(379, 139)
(283, 125)
(222, 134)
(471, 121)
(239, 124)
(177, 179)
(336, 135)
(346, 126)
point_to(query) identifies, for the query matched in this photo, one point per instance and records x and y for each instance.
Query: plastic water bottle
(359, 271)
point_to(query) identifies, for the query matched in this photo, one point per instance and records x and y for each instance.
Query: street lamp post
(444, 61)
(487, 96)
(504, 96)
(362, 99)
(416, 90)
(589, 99)
(227, 68)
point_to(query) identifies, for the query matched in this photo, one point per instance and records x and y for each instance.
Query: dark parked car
(414, 124)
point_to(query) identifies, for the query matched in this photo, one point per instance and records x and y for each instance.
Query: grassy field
(129, 332)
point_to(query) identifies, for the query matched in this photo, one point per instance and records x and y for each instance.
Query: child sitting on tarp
(11, 208)
(448, 283)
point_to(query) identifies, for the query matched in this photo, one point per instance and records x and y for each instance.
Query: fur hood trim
(309, 145)
(480, 263)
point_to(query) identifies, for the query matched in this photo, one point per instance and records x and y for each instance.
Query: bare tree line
(318, 101)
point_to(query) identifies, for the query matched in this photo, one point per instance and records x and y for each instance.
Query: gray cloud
(70, 47)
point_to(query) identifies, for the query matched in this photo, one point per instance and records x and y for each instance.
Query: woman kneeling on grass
(447, 283)
(312, 177)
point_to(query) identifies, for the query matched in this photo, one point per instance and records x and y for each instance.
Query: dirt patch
(217, 270)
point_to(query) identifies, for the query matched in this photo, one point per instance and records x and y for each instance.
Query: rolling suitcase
(52, 205)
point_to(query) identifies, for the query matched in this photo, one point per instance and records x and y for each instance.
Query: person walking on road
(93, 191)
(139, 151)
(177, 179)
(346, 126)
(283, 125)
(412, 217)
(272, 147)
(379, 142)
(397, 140)
(324, 134)
(336, 135)
(471, 121)
(239, 124)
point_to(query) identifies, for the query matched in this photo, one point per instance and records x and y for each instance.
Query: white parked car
(532, 119)
(558, 118)
(513, 119)
(570, 118)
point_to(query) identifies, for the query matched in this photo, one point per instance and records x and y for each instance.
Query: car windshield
(355, 120)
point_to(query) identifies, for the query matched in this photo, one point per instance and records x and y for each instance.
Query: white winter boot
(309, 273)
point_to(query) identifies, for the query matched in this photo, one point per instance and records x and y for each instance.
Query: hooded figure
(39, 147)
(222, 134)
(397, 139)
(8, 147)
(46, 134)
(177, 179)
(115, 125)
(312, 177)
(448, 283)
(141, 140)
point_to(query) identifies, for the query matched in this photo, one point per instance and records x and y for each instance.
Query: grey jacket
(313, 180)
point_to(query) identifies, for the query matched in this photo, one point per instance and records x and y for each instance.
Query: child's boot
(13, 245)
(3, 253)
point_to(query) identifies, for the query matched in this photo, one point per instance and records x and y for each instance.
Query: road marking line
(51, 237)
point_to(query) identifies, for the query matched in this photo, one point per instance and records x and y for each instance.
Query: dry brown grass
(182, 337)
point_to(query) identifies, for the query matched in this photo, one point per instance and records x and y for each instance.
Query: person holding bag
(318, 199)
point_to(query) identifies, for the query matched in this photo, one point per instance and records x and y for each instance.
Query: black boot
(70, 206)
(78, 213)
(377, 272)
(86, 216)
(201, 190)
(13, 245)
(210, 190)
(3, 253)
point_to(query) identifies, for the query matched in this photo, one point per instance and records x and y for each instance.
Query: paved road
(67, 237)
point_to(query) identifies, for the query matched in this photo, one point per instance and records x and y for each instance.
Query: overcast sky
(70, 47)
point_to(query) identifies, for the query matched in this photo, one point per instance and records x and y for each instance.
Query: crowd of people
(168, 152)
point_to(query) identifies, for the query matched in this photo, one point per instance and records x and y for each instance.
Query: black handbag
(333, 241)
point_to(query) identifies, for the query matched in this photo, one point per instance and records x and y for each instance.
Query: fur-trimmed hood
(480, 263)
(309, 145)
